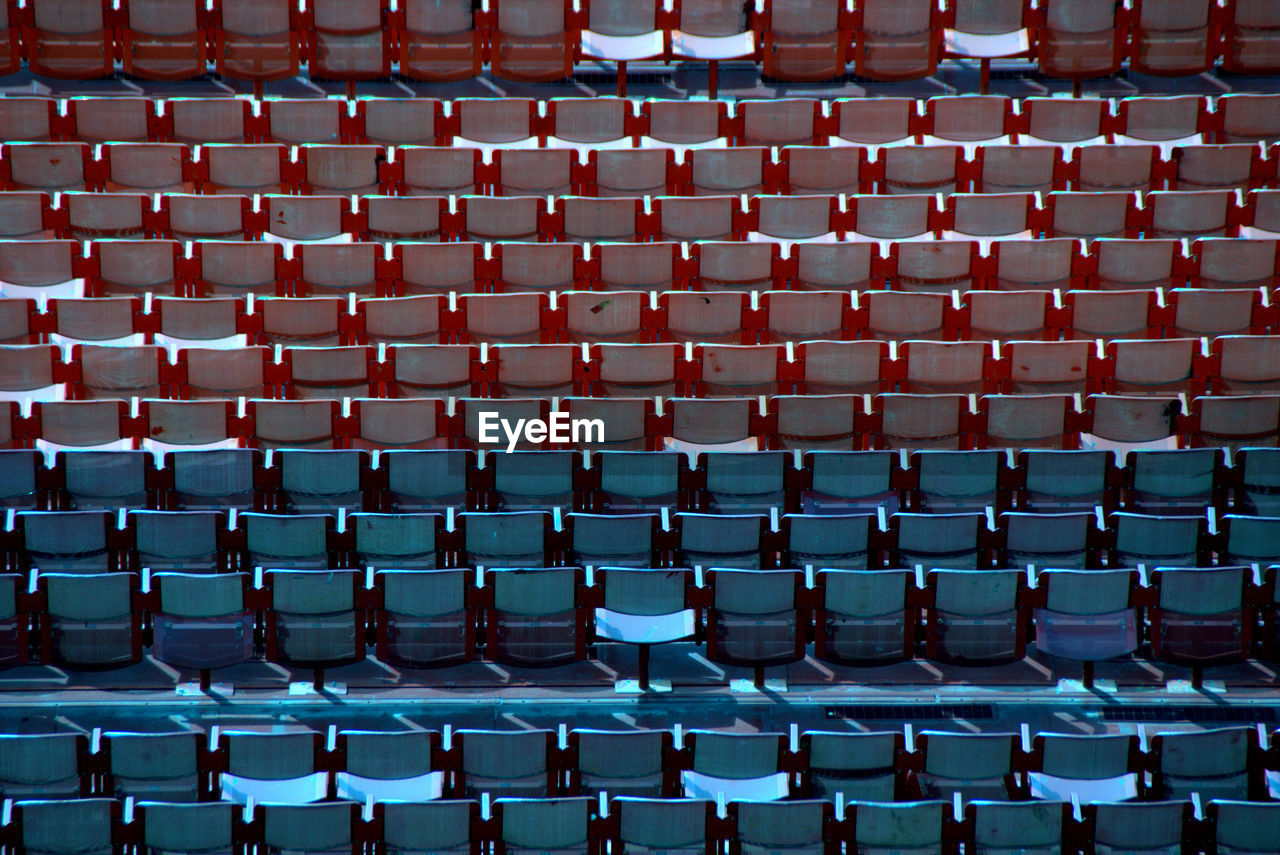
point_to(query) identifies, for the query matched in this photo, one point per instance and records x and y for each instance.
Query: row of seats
(794, 222)
(1230, 365)
(43, 269)
(583, 826)
(823, 319)
(541, 40)
(1185, 481)
(797, 171)
(744, 533)
(608, 123)
(545, 617)
(896, 420)
(1228, 763)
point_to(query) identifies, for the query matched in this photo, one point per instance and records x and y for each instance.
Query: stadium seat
(1086, 616)
(970, 766)
(90, 620)
(976, 617)
(45, 766)
(864, 617)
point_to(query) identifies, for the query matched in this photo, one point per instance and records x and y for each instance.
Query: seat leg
(644, 667)
(206, 680)
(1197, 676)
(713, 78)
(984, 75)
(317, 682)
(622, 78)
(1086, 676)
(758, 677)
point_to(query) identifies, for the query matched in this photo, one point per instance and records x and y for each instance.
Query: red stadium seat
(896, 41)
(167, 41)
(349, 41)
(439, 41)
(69, 38)
(258, 41)
(806, 40)
(531, 40)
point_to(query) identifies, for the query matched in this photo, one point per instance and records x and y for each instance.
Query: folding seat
(44, 766)
(976, 616)
(1240, 826)
(1174, 482)
(620, 32)
(1118, 169)
(631, 173)
(590, 124)
(146, 167)
(1218, 763)
(1157, 541)
(742, 483)
(614, 540)
(438, 171)
(338, 268)
(727, 172)
(1248, 539)
(899, 316)
(683, 125)
(47, 167)
(348, 41)
(822, 170)
(996, 216)
(587, 220)
(514, 218)
(629, 763)
(24, 481)
(1089, 215)
(279, 767)
(166, 41)
(755, 618)
(65, 827)
(72, 40)
(857, 482)
(1218, 167)
(200, 622)
(1202, 616)
(797, 317)
(896, 41)
(720, 540)
(1194, 214)
(882, 827)
(777, 122)
(257, 41)
(1159, 367)
(379, 766)
(523, 267)
(1249, 46)
(747, 766)
(214, 479)
(33, 371)
(953, 367)
(219, 373)
(101, 120)
(319, 481)
(1086, 616)
(531, 480)
(535, 371)
(526, 826)
(536, 617)
(969, 765)
(10, 52)
(1156, 827)
(177, 541)
(618, 317)
(295, 424)
(698, 424)
(161, 767)
(316, 618)
(1018, 169)
(1247, 118)
(531, 41)
(919, 421)
(967, 120)
(243, 169)
(200, 121)
(892, 218)
(940, 540)
(725, 370)
(103, 480)
(110, 371)
(1123, 422)
(1091, 768)
(1006, 316)
(419, 481)
(875, 122)
(957, 482)
(921, 170)
(1050, 540)
(533, 172)
(485, 763)
(404, 320)
(207, 219)
(939, 268)
(637, 267)
(496, 123)
(188, 425)
(332, 170)
(792, 219)
(331, 827)
(1067, 122)
(437, 269)
(294, 219)
(864, 617)
(683, 825)
(389, 424)
(1173, 39)
(328, 372)
(517, 539)
(1162, 121)
(236, 268)
(1254, 481)
(511, 409)
(985, 31)
(83, 424)
(298, 542)
(708, 218)
(1245, 365)
(432, 370)
(438, 41)
(90, 620)
(92, 216)
(1116, 314)
(1232, 264)
(1028, 421)
(31, 119)
(734, 266)
(1081, 40)
(707, 317)
(712, 30)
(632, 423)
(993, 825)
